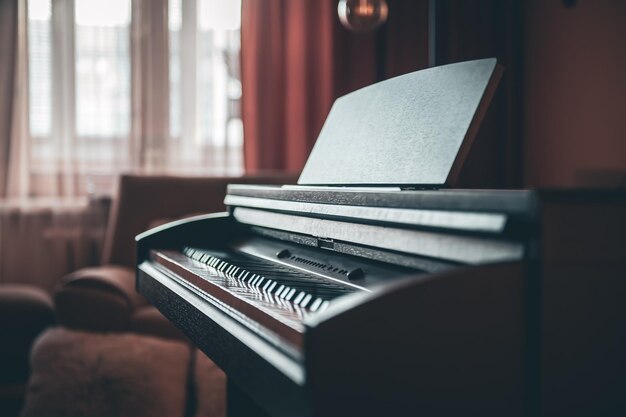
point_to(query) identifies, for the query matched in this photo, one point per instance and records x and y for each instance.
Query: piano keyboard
(274, 296)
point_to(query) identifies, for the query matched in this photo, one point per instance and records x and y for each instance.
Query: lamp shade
(362, 15)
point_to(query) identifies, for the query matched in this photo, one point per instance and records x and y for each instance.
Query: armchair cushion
(86, 374)
(98, 299)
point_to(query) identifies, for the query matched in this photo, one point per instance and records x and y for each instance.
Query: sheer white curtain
(92, 88)
(123, 85)
(150, 92)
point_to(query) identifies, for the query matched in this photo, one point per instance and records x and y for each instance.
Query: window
(205, 86)
(81, 92)
(102, 68)
(40, 67)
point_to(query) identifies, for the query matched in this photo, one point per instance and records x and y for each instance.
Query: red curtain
(297, 58)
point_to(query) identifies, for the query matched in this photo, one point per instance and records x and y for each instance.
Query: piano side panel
(207, 229)
(583, 335)
(581, 231)
(584, 340)
(448, 344)
(268, 376)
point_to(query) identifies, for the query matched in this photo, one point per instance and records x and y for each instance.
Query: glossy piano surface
(213, 263)
(314, 325)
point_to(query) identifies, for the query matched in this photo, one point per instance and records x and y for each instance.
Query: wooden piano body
(512, 337)
(443, 302)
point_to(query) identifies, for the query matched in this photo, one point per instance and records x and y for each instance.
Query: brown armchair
(103, 298)
(25, 311)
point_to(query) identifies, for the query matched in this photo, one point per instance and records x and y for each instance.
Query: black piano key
(278, 289)
(256, 280)
(245, 279)
(281, 293)
(290, 294)
(305, 302)
(316, 304)
(266, 284)
(299, 297)
(307, 287)
(300, 285)
(277, 281)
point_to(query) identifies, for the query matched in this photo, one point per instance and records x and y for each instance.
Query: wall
(575, 90)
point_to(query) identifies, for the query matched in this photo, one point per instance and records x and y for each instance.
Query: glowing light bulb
(362, 15)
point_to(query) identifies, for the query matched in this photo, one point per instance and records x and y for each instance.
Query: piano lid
(411, 130)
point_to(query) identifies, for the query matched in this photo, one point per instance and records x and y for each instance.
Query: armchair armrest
(25, 311)
(98, 299)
